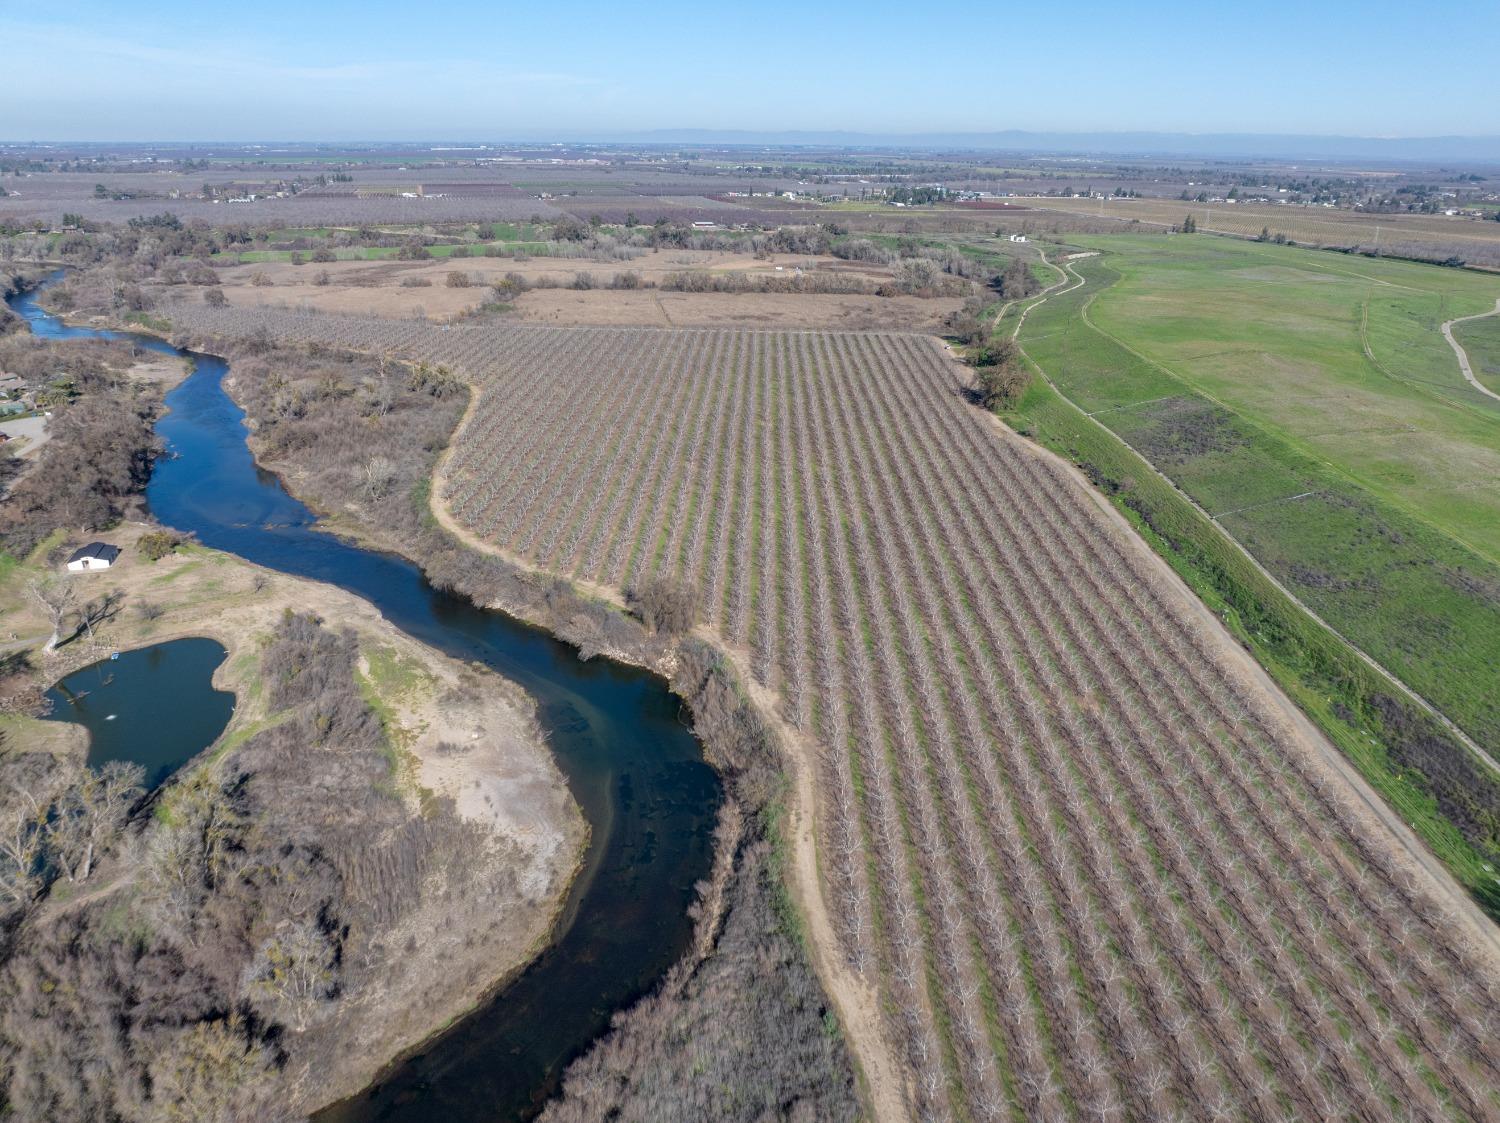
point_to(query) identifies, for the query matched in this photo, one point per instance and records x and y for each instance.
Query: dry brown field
(1474, 239)
(375, 288)
(769, 310)
(1090, 862)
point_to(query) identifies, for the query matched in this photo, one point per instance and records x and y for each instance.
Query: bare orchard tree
(55, 596)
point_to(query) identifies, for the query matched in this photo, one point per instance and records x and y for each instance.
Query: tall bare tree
(22, 823)
(90, 814)
(55, 597)
(97, 610)
(295, 972)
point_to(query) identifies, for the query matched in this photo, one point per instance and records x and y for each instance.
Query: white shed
(96, 555)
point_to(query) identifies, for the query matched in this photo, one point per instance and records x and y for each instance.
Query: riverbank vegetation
(740, 1030)
(98, 443)
(90, 472)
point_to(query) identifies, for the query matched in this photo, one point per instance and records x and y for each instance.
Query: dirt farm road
(1463, 356)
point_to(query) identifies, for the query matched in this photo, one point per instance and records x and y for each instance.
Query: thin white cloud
(40, 45)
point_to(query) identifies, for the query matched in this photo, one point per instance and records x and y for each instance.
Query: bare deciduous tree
(667, 605)
(97, 610)
(378, 475)
(56, 598)
(295, 972)
(88, 816)
(22, 834)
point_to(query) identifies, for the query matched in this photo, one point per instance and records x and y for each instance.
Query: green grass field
(1247, 391)
(522, 236)
(1481, 340)
(1277, 336)
(1368, 496)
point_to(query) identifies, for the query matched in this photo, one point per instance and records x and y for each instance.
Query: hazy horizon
(384, 71)
(1328, 148)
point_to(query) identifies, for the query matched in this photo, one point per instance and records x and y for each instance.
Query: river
(616, 731)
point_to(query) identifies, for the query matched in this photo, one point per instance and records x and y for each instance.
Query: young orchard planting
(1090, 863)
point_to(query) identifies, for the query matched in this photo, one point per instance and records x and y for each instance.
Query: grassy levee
(1449, 797)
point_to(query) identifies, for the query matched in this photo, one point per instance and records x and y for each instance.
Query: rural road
(1463, 356)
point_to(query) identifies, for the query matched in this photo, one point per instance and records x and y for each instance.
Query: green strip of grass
(1480, 339)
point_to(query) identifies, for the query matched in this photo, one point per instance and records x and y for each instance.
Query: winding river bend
(616, 732)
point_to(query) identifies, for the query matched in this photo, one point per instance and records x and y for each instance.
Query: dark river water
(616, 732)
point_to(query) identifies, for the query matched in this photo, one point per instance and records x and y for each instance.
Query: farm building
(96, 555)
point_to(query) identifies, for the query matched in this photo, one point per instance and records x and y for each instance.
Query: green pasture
(1278, 336)
(1481, 340)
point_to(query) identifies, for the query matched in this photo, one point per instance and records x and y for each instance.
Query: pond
(617, 733)
(155, 706)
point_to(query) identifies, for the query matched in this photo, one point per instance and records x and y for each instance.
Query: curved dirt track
(1463, 356)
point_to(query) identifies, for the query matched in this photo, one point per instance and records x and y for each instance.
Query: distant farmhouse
(96, 555)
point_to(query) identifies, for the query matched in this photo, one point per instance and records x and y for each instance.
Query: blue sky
(273, 69)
